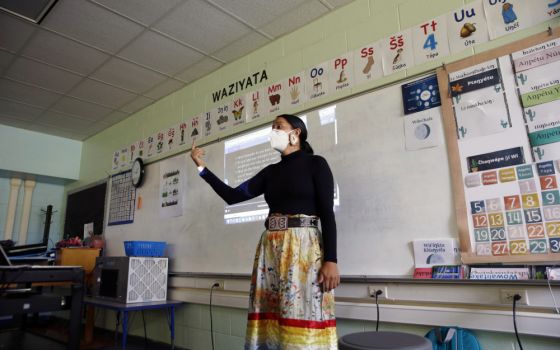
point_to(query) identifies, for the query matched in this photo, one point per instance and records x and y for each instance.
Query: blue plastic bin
(144, 248)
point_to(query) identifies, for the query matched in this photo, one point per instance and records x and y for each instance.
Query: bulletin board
(501, 116)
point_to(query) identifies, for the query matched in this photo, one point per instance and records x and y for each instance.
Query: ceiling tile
(258, 12)
(295, 19)
(128, 75)
(5, 59)
(16, 123)
(199, 69)
(60, 51)
(28, 71)
(137, 104)
(27, 94)
(202, 25)
(114, 117)
(164, 89)
(19, 111)
(241, 47)
(91, 24)
(96, 128)
(145, 12)
(81, 109)
(51, 130)
(101, 93)
(160, 53)
(63, 121)
(14, 32)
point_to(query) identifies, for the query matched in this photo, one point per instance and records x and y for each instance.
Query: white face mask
(279, 139)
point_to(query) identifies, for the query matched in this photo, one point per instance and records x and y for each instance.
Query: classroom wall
(341, 31)
(47, 191)
(39, 154)
(193, 329)
(338, 32)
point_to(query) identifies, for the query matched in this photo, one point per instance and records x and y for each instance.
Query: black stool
(383, 341)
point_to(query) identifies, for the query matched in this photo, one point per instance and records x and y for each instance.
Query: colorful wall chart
(507, 129)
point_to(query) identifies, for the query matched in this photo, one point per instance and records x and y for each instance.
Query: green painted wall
(341, 31)
(338, 32)
(39, 154)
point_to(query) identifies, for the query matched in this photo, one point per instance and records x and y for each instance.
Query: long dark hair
(297, 123)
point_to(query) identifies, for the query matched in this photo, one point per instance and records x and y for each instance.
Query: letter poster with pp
(506, 113)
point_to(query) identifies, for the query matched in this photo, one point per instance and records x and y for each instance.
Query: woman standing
(295, 269)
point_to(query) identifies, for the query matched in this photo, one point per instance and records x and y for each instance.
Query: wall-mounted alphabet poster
(506, 17)
(430, 40)
(296, 89)
(367, 63)
(317, 81)
(341, 73)
(467, 27)
(397, 52)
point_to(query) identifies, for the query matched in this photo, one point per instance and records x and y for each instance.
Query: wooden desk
(13, 302)
(168, 305)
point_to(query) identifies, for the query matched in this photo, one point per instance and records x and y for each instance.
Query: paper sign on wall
(480, 113)
(275, 96)
(160, 141)
(142, 149)
(124, 157)
(183, 133)
(536, 56)
(150, 146)
(420, 95)
(367, 63)
(422, 129)
(132, 152)
(172, 187)
(316, 81)
(116, 160)
(543, 10)
(341, 75)
(221, 116)
(506, 17)
(430, 40)
(397, 52)
(237, 108)
(255, 102)
(195, 126)
(467, 27)
(170, 139)
(296, 89)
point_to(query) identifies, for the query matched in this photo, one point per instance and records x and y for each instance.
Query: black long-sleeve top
(300, 183)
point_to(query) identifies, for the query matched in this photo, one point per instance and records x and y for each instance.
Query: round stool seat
(383, 340)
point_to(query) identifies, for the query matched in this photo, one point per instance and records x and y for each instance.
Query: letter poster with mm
(506, 113)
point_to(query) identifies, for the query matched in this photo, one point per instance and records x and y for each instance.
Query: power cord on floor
(516, 298)
(215, 285)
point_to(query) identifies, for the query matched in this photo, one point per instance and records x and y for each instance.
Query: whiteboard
(388, 197)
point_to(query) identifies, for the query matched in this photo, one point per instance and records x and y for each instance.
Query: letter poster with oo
(511, 173)
(317, 81)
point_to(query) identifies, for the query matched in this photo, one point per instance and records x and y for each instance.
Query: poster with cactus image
(482, 113)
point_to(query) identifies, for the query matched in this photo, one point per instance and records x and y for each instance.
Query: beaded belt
(283, 222)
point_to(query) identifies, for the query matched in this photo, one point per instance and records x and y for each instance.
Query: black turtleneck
(300, 183)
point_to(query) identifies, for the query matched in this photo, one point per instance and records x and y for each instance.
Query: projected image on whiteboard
(246, 154)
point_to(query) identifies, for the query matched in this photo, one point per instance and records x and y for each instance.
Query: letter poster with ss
(506, 116)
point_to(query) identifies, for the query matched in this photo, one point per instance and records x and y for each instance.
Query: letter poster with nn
(507, 116)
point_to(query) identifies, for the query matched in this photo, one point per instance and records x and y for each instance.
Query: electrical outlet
(220, 284)
(373, 289)
(506, 296)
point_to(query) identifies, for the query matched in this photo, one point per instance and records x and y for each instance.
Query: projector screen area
(385, 196)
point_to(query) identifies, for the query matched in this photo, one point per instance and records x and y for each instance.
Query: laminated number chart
(502, 125)
(123, 198)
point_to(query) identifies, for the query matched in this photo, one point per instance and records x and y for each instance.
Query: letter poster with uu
(509, 146)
